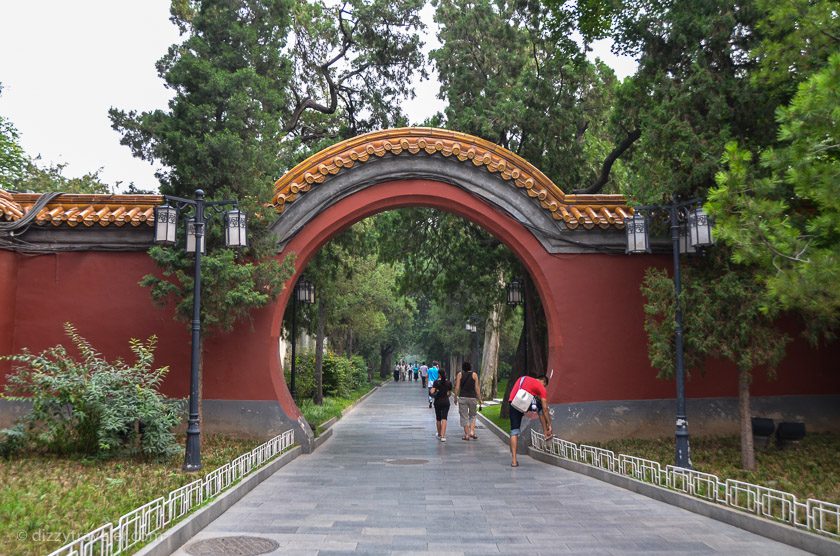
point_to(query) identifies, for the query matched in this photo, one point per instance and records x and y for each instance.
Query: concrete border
(780, 532)
(179, 534)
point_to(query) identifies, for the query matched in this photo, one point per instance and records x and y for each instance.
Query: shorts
(441, 411)
(467, 410)
(516, 417)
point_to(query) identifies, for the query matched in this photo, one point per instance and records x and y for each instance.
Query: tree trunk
(350, 344)
(386, 353)
(515, 372)
(490, 362)
(454, 366)
(319, 352)
(534, 363)
(747, 448)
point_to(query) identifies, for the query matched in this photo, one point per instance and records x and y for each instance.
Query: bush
(92, 406)
(341, 376)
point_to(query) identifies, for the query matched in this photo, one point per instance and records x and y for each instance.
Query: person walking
(440, 391)
(424, 374)
(467, 398)
(433, 376)
(537, 388)
(416, 372)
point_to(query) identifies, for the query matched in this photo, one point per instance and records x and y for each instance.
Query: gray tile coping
(350, 497)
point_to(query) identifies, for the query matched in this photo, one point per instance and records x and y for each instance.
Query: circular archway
(449, 171)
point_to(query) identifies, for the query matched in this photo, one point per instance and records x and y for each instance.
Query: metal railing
(142, 524)
(814, 515)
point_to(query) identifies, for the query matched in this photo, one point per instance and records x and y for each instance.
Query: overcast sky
(64, 63)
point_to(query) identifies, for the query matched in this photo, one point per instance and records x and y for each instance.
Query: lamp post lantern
(472, 328)
(166, 224)
(304, 293)
(690, 229)
(516, 296)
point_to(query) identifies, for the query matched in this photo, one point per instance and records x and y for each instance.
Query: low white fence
(141, 524)
(814, 515)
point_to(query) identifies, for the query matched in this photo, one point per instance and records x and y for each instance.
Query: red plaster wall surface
(597, 344)
(99, 294)
(8, 287)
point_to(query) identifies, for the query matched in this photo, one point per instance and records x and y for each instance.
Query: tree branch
(602, 180)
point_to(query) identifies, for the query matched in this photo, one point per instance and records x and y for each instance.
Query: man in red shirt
(536, 387)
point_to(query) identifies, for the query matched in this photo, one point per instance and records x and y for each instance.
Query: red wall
(8, 287)
(597, 344)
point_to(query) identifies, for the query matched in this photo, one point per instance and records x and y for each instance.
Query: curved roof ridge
(588, 211)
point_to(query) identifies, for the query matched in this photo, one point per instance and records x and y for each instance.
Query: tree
(242, 78)
(39, 179)
(12, 157)
(219, 134)
(19, 171)
(696, 91)
(724, 321)
(780, 211)
(526, 85)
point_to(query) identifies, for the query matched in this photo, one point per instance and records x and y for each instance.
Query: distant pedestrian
(467, 398)
(535, 387)
(440, 392)
(433, 376)
(397, 372)
(424, 374)
(416, 371)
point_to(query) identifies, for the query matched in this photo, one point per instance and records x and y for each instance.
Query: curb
(183, 531)
(494, 428)
(764, 527)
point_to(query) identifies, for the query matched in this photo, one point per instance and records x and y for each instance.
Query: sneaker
(443, 439)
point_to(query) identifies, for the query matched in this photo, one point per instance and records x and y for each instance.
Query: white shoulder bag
(523, 399)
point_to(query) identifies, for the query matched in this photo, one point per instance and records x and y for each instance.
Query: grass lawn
(48, 501)
(809, 470)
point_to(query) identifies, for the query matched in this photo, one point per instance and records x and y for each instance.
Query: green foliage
(237, 287)
(90, 405)
(22, 173)
(527, 86)
(342, 375)
(780, 212)
(12, 157)
(797, 38)
(37, 179)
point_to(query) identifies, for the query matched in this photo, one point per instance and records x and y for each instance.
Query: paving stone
(346, 498)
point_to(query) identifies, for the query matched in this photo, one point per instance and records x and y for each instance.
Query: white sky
(63, 64)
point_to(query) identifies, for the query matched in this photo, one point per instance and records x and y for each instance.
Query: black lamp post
(166, 224)
(516, 296)
(690, 229)
(304, 293)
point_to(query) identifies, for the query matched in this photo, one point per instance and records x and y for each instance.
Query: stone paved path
(383, 484)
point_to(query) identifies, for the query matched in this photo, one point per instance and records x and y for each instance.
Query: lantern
(637, 234)
(699, 227)
(166, 223)
(235, 228)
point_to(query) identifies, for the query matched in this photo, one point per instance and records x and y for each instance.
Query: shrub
(92, 406)
(341, 375)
